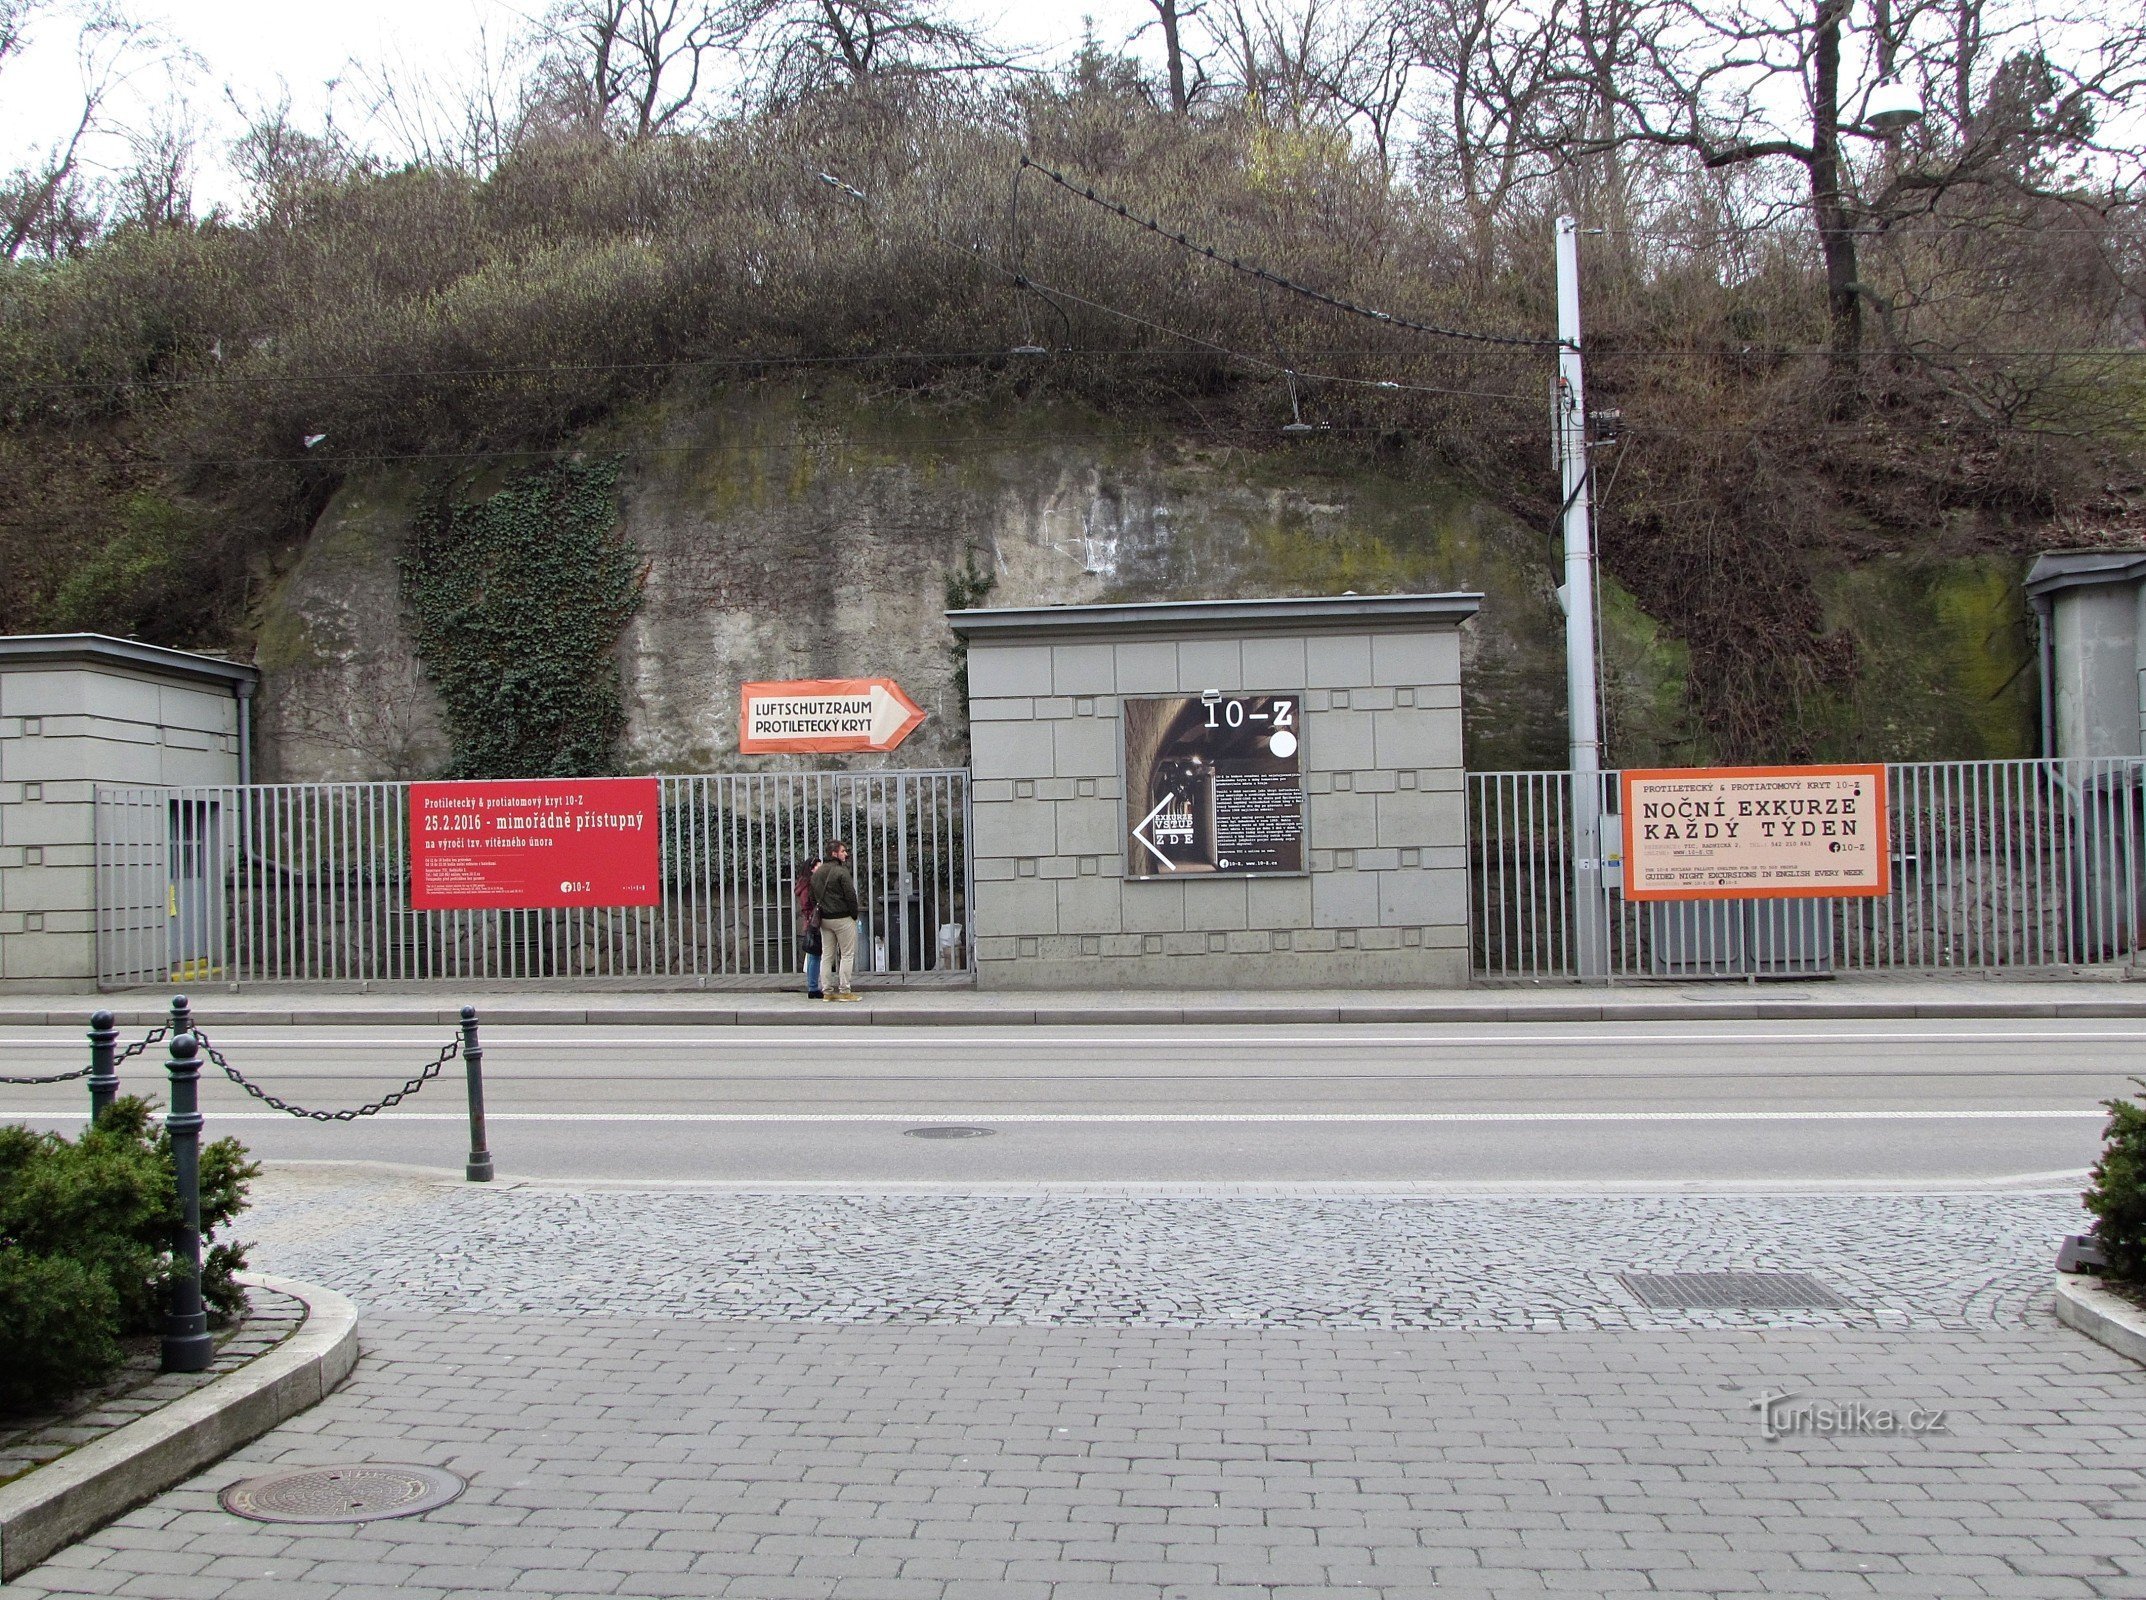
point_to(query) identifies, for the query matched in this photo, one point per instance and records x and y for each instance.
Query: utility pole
(1590, 909)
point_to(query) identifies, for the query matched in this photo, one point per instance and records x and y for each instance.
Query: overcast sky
(257, 50)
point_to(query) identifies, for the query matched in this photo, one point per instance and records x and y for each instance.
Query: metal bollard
(103, 1064)
(479, 1169)
(187, 1345)
(182, 1015)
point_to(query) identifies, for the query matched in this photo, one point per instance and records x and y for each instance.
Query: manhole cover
(342, 1494)
(949, 1133)
(1731, 1291)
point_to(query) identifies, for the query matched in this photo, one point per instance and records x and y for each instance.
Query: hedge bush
(2118, 1197)
(87, 1228)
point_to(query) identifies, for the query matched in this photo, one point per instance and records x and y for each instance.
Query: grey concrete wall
(63, 731)
(1385, 900)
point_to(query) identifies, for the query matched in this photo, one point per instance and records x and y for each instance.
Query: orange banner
(825, 716)
(1755, 833)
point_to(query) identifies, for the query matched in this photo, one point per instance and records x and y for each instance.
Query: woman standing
(808, 923)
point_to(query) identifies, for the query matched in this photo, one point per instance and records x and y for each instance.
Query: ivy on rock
(516, 603)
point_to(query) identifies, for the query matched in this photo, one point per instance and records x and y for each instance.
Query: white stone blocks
(1151, 907)
(1338, 741)
(1422, 898)
(1273, 666)
(1412, 818)
(1020, 907)
(1146, 666)
(1204, 664)
(1341, 821)
(1344, 900)
(1277, 902)
(1085, 747)
(1011, 749)
(1337, 661)
(1214, 904)
(1014, 828)
(1088, 827)
(1009, 669)
(1089, 905)
(1083, 669)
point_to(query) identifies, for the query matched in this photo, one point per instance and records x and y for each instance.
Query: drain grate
(1731, 1291)
(950, 1133)
(366, 1493)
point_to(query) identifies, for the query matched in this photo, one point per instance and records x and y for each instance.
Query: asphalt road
(1534, 1105)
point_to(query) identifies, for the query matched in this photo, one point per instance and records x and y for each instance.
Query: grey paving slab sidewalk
(1224, 1414)
(2102, 994)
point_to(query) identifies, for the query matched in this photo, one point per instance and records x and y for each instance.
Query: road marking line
(564, 1038)
(987, 1117)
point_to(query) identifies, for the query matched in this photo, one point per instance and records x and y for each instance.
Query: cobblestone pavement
(1157, 1260)
(1161, 1398)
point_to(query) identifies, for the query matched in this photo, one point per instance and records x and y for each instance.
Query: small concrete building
(2092, 608)
(77, 710)
(1229, 794)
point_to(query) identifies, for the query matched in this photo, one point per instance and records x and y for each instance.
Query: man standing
(836, 892)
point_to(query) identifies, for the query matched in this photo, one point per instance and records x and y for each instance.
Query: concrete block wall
(1384, 902)
(64, 729)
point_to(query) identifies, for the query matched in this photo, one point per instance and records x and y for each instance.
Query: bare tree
(279, 161)
(1491, 124)
(631, 68)
(466, 119)
(2014, 102)
(1341, 64)
(157, 188)
(15, 23)
(1173, 16)
(799, 47)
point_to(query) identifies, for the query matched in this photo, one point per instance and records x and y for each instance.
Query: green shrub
(86, 1234)
(2118, 1197)
(57, 1318)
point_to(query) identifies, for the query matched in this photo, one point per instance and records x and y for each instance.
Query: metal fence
(310, 883)
(1996, 865)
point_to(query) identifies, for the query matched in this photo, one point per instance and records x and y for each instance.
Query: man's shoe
(814, 994)
(849, 994)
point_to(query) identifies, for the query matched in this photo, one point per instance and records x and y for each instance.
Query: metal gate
(310, 883)
(1997, 865)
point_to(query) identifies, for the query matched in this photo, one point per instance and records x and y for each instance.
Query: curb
(1059, 1013)
(58, 1503)
(2102, 1316)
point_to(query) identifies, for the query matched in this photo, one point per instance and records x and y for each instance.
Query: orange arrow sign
(825, 716)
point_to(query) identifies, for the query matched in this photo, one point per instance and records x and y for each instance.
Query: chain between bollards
(479, 1169)
(187, 1345)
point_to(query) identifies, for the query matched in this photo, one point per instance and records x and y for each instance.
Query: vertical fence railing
(1996, 865)
(310, 883)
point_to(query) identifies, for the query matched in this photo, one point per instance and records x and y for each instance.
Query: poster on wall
(1213, 784)
(1755, 833)
(537, 842)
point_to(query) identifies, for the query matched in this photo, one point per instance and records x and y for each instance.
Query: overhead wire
(1278, 280)
(1016, 274)
(1262, 362)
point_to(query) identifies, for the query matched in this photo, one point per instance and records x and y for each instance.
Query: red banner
(535, 842)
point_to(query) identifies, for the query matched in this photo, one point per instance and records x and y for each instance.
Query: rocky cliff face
(791, 532)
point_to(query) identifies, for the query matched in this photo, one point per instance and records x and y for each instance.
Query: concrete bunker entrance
(1229, 794)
